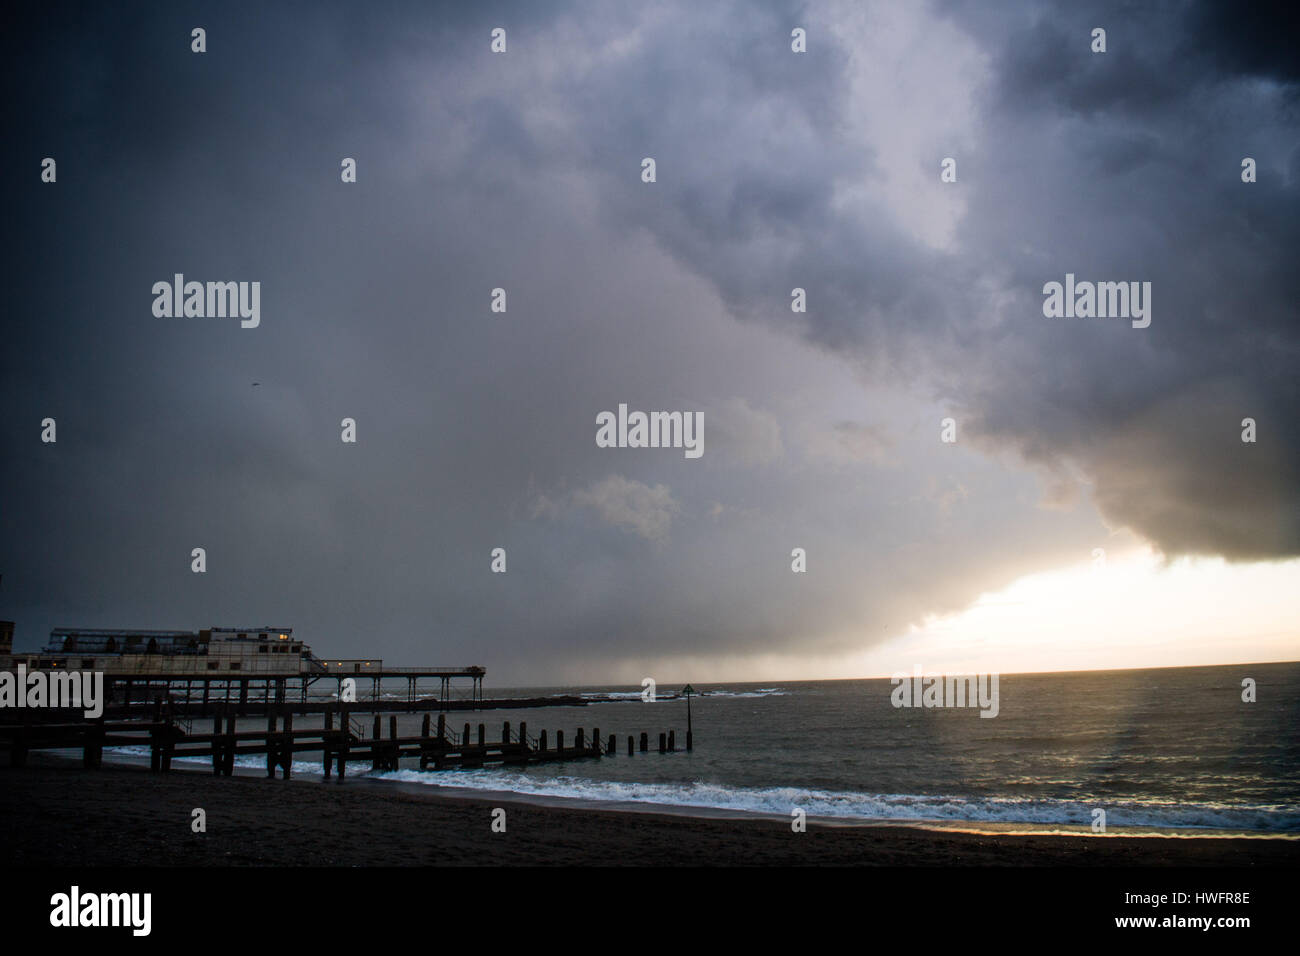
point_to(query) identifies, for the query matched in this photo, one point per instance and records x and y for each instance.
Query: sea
(1156, 751)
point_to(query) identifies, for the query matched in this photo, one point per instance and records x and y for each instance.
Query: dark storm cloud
(1142, 149)
(521, 171)
(1123, 165)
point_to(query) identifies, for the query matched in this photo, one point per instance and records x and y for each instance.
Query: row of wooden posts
(338, 745)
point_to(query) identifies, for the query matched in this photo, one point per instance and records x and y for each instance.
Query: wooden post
(464, 741)
(345, 739)
(169, 735)
(216, 741)
(424, 742)
(663, 743)
(559, 740)
(630, 743)
(326, 738)
(286, 751)
(523, 734)
(394, 748)
(228, 749)
(613, 745)
(271, 759)
(169, 743)
(541, 741)
(645, 742)
(378, 729)
(482, 736)
(155, 751)
(595, 740)
(93, 743)
(577, 739)
(505, 734)
(442, 727)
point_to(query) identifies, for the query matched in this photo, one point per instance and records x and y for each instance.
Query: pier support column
(218, 744)
(94, 744)
(271, 756)
(326, 739)
(228, 757)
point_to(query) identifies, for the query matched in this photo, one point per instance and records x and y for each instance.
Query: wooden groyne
(341, 740)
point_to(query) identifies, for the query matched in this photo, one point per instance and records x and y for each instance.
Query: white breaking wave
(845, 805)
(863, 806)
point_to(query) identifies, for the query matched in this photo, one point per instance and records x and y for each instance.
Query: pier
(196, 694)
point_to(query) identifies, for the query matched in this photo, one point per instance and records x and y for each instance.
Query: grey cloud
(476, 431)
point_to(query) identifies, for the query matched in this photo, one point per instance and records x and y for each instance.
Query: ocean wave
(664, 695)
(918, 808)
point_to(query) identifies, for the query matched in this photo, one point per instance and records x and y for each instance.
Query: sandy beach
(56, 814)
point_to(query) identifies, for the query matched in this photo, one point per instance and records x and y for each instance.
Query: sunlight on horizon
(1133, 611)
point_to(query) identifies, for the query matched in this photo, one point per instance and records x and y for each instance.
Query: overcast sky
(522, 170)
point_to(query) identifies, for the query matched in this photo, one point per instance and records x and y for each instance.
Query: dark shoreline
(56, 814)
